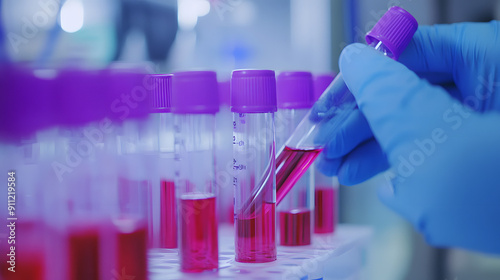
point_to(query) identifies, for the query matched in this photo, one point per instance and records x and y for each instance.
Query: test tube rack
(336, 256)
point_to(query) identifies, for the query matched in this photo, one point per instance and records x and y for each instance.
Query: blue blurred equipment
(442, 145)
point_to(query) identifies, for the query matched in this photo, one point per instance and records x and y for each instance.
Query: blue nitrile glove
(443, 155)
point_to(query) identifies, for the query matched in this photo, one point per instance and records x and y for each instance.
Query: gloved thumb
(400, 107)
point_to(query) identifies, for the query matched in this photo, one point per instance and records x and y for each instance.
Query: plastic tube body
(326, 197)
(224, 165)
(167, 203)
(196, 191)
(254, 181)
(296, 209)
(304, 145)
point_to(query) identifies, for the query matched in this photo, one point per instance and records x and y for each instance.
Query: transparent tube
(82, 205)
(196, 191)
(23, 190)
(296, 209)
(168, 204)
(304, 145)
(132, 220)
(326, 194)
(254, 181)
(224, 164)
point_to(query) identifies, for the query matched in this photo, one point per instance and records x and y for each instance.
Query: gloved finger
(354, 131)
(444, 81)
(398, 105)
(329, 167)
(364, 162)
(439, 47)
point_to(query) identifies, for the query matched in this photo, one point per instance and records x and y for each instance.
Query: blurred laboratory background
(222, 35)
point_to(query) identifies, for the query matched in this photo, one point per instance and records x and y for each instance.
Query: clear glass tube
(23, 191)
(326, 194)
(254, 181)
(82, 205)
(224, 164)
(132, 220)
(296, 209)
(304, 145)
(196, 191)
(168, 204)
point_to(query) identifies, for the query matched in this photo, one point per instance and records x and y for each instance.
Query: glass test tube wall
(295, 97)
(194, 104)
(326, 188)
(164, 122)
(224, 156)
(253, 103)
(83, 205)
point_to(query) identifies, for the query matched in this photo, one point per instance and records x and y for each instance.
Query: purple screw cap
(195, 92)
(321, 82)
(26, 102)
(294, 90)
(128, 96)
(79, 98)
(161, 93)
(394, 29)
(253, 91)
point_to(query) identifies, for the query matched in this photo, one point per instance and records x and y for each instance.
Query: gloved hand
(442, 146)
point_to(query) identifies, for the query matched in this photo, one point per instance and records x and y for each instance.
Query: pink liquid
(84, 254)
(198, 224)
(291, 164)
(230, 214)
(131, 249)
(295, 227)
(256, 236)
(324, 211)
(168, 222)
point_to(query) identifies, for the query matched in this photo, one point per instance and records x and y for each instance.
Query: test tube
(78, 148)
(194, 104)
(295, 97)
(132, 215)
(390, 36)
(164, 122)
(326, 188)
(23, 164)
(253, 103)
(224, 156)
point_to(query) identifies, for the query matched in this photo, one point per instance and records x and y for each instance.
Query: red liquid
(324, 211)
(28, 254)
(256, 236)
(198, 224)
(134, 197)
(295, 227)
(84, 254)
(131, 249)
(291, 164)
(29, 265)
(168, 215)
